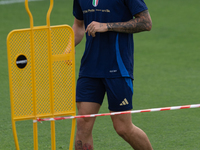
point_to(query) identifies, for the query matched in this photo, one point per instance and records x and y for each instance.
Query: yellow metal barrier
(41, 63)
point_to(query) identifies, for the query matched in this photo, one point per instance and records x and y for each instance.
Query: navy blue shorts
(119, 92)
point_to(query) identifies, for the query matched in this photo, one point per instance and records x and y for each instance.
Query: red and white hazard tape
(119, 113)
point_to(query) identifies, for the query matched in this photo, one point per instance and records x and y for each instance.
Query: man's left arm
(141, 22)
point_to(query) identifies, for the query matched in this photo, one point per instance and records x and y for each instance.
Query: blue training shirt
(109, 54)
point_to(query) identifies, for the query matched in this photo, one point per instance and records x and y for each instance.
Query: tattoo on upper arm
(141, 22)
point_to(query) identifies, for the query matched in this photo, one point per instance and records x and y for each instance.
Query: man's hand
(94, 27)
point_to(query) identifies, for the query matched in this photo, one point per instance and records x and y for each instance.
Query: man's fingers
(91, 31)
(93, 34)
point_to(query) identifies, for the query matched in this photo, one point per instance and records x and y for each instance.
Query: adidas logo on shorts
(124, 102)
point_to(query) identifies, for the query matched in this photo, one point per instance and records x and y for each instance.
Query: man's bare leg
(84, 140)
(130, 133)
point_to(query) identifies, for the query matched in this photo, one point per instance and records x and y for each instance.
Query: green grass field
(167, 61)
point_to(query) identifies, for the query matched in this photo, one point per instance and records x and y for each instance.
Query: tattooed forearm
(141, 22)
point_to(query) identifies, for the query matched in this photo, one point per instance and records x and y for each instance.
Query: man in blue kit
(107, 65)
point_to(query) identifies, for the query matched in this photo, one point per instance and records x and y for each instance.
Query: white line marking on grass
(14, 1)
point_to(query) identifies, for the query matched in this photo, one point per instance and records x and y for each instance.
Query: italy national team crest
(95, 3)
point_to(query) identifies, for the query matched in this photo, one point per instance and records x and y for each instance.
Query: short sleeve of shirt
(136, 6)
(77, 11)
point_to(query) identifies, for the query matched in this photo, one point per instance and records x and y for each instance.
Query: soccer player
(107, 65)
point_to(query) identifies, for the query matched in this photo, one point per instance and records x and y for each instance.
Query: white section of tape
(15, 1)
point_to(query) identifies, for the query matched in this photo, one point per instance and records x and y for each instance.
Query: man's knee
(121, 130)
(84, 126)
(122, 124)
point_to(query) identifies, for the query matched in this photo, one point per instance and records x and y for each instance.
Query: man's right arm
(79, 30)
